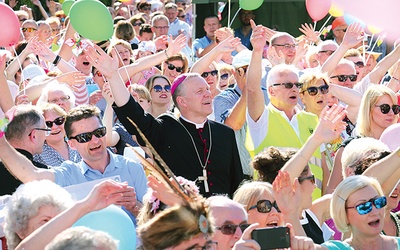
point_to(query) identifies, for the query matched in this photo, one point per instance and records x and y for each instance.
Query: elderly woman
(378, 110)
(357, 207)
(59, 94)
(55, 149)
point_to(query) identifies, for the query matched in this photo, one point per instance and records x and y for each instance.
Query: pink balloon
(9, 23)
(391, 136)
(317, 9)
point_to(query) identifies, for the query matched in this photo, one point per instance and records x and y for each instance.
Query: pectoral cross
(204, 179)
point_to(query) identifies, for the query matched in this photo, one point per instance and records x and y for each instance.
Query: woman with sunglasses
(378, 110)
(55, 148)
(357, 207)
(160, 91)
(174, 66)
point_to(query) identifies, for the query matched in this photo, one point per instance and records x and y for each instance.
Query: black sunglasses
(137, 24)
(385, 108)
(172, 67)
(311, 178)
(343, 78)
(86, 137)
(224, 76)
(265, 206)
(230, 229)
(288, 85)
(366, 207)
(213, 73)
(359, 64)
(182, 16)
(328, 52)
(58, 121)
(312, 91)
(159, 88)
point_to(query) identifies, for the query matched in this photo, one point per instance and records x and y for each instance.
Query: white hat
(31, 71)
(242, 59)
(147, 46)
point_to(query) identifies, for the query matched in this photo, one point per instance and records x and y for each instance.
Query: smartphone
(272, 238)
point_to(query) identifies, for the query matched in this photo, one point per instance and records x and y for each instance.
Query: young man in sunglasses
(280, 123)
(86, 134)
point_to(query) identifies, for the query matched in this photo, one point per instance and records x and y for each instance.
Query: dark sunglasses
(385, 108)
(22, 19)
(265, 206)
(86, 137)
(230, 229)
(28, 29)
(311, 178)
(146, 8)
(224, 76)
(137, 24)
(182, 16)
(159, 88)
(213, 73)
(289, 85)
(312, 91)
(359, 64)
(58, 121)
(328, 52)
(173, 67)
(366, 207)
(343, 78)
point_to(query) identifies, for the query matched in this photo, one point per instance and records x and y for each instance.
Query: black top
(313, 231)
(9, 183)
(175, 146)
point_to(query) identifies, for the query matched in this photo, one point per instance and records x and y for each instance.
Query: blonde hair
(141, 90)
(312, 78)
(343, 191)
(248, 194)
(368, 102)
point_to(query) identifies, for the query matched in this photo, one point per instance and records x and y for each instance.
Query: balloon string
(237, 12)
(323, 26)
(20, 67)
(315, 25)
(229, 12)
(126, 71)
(376, 41)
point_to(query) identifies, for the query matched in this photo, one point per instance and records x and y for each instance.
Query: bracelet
(165, 51)
(57, 60)
(394, 78)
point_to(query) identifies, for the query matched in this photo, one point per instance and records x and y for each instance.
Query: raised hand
(72, 79)
(176, 45)
(258, 37)
(107, 94)
(330, 123)
(300, 242)
(245, 242)
(354, 35)
(107, 65)
(311, 35)
(229, 44)
(287, 196)
(275, 58)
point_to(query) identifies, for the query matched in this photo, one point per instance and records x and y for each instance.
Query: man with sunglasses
(26, 133)
(280, 123)
(86, 134)
(339, 27)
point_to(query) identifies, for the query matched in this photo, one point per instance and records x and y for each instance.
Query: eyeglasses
(343, 78)
(99, 74)
(146, 8)
(182, 16)
(212, 72)
(58, 121)
(359, 64)
(22, 19)
(286, 45)
(62, 99)
(328, 52)
(288, 85)
(46, 131)
(210, 245)
(366, 207)
(159, 88)
(311, 178)
(265, 206)
(28, 30)
(246, 14)
(172, 67)
(312, 91)
(86, 137)
(224, 76)
(385, 108)
(161, 27)
(230, 229)
(137, 24)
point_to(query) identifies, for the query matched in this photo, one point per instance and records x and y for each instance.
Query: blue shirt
(200, 43)
(244, 39)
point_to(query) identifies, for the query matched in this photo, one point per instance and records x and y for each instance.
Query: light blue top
(200, 43)
(340, 245)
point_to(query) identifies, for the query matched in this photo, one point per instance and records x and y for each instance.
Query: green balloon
(250, 4)
(66, 6)
(91, 19)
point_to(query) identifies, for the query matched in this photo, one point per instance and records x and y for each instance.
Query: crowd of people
(242, 129)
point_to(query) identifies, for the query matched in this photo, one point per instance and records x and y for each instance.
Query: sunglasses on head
(225, 76)
(385, 108)
(159, 88)
(58, 121)
(212, 72)
(359, 64)
(265, 206)
(288, 85)
(311, 178)
(312, 91)
(86, 137)
(230, 229)
(343, 78)
(173, 67)
(366, 207)
(28, 29)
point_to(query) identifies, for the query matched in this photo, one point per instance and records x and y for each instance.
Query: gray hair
(25, 118)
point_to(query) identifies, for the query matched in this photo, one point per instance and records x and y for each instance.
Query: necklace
(203, 166)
